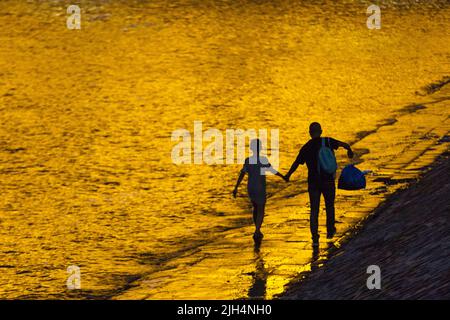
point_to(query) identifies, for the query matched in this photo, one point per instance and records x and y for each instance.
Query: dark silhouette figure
(256, 167)
(319, 181)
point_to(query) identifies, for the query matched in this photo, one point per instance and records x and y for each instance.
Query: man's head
(315, 130)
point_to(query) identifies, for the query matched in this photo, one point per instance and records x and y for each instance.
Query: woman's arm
(239, 180)
(275, 172)
(281, 176)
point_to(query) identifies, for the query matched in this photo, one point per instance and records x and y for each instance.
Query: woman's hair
(255, 145)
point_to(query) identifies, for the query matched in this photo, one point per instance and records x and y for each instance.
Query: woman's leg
(255, 211)
(259, 216)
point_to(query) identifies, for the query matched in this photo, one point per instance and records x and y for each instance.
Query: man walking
(318, 153)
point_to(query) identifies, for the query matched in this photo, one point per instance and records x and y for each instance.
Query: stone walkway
(408, 238)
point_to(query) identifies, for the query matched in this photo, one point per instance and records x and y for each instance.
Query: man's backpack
(327, 160)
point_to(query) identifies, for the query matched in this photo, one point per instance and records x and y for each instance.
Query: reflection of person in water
(259, 277)
(256, 167)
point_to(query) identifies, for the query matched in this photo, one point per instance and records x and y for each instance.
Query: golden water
(86, 117)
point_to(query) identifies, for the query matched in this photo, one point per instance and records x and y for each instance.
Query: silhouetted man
(319, 181)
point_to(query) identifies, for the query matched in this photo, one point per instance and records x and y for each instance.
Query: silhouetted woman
(256, 167)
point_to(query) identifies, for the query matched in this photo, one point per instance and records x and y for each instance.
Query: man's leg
(329, 194)
(314, 202)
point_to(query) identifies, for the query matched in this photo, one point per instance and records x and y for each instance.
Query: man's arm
(347, 147)
(294, 166)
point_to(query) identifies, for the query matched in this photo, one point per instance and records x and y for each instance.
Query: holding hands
(235, 190)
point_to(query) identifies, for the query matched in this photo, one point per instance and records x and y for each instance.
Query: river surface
(86, 118)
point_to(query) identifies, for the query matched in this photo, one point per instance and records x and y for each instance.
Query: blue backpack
(352, 178)
(327, 160)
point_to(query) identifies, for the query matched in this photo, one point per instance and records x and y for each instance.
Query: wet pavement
(86, 118)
